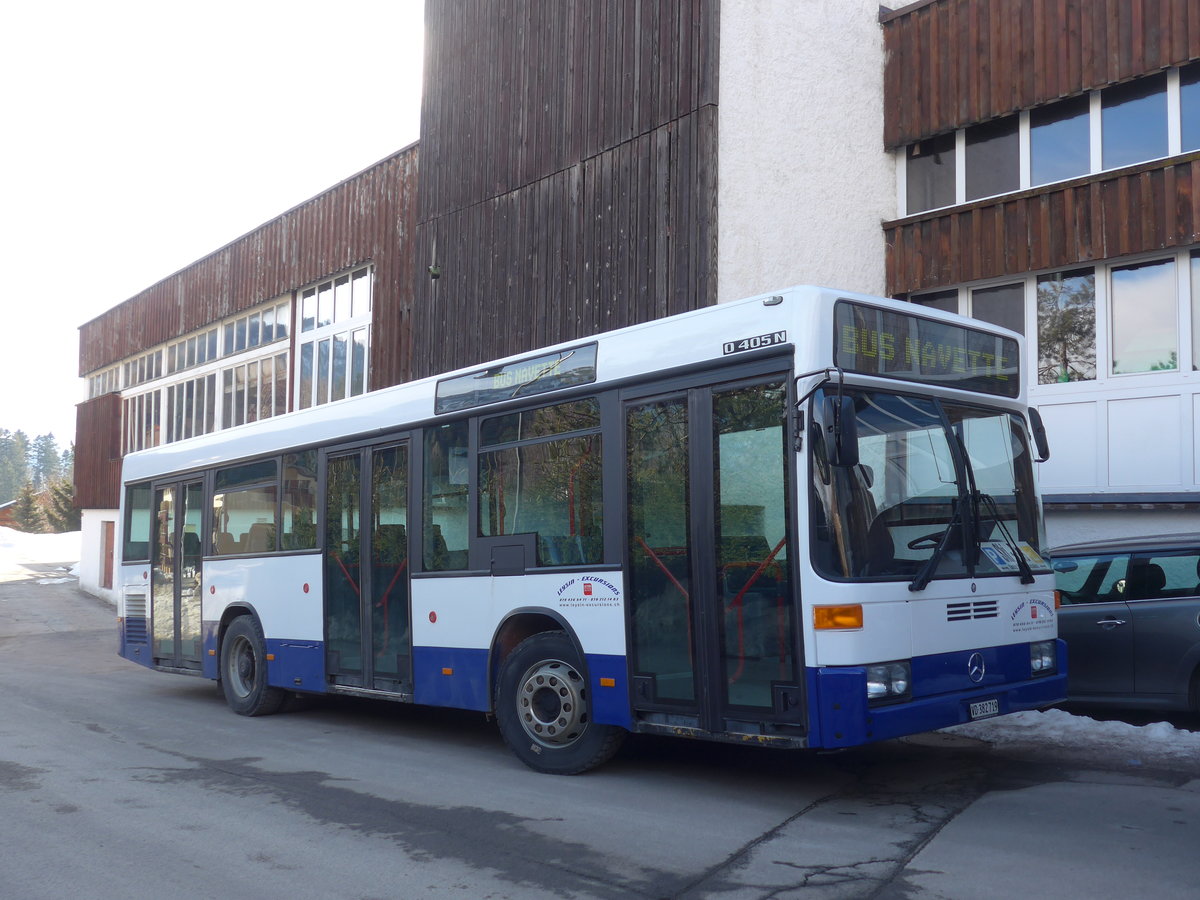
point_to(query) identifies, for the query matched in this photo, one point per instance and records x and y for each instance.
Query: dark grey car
(1130, 615)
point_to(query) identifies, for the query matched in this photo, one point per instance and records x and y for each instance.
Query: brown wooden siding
(1136, 210)
(366, 217)
(98, 453)
(568, 172)
(952, 63)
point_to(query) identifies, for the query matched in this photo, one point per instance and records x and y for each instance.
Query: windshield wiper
(988, 502)
(923, 577)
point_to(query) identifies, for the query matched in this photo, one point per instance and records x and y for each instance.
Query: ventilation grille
(135, 618)
(972, 609)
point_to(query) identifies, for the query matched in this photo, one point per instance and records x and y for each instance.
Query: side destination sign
(894, 344)
(524, 378)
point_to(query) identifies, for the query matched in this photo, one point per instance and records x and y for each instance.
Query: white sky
(138, 137)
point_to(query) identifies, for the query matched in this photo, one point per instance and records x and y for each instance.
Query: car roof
(1139, 543)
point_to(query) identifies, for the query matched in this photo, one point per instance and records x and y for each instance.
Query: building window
(1066, 320)
(142, 418)
(1060, 141)
(947, 301)
(263, 326)
(192, 351)
(105, 382)
(1134, 121)
(191, 408)
(335, 331)
(993, 158)
(1003, 305)
(930, 173)
(254, 390)
(1195, 292)
(1189, 108)
(144, 368)
(1144, 314)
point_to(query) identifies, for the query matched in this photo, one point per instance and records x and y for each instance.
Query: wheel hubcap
(551, 705)
(241, 668)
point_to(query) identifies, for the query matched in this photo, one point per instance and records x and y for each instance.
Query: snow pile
(18, 549)
(1055, 727)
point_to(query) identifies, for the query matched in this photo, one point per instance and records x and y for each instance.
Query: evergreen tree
(66, 466)
(61, 514)
(14, 463)
(45, 462)
(27, 512)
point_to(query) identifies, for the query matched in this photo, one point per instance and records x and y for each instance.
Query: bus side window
(447, 476)
(137, 523)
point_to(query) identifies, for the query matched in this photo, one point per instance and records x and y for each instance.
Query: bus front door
(367, 625)
(177, 575)
(712, 635)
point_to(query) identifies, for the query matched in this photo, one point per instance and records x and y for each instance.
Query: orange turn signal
(608, 682)
(826, 618)
(1058, 599)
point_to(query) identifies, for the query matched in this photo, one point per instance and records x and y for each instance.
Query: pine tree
(27, 512)
(14, 463)
(60, 512)
(45, 462)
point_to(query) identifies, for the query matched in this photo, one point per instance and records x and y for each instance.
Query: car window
(1165, 576)
(1098, 578)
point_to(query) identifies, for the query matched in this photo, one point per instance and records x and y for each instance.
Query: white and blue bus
(805, 519)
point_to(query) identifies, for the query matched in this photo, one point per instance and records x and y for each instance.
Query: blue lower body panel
(451, 676)
(942, 695)
(609, 690)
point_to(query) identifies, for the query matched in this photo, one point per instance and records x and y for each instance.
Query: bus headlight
(889, 681)
(1043, 658)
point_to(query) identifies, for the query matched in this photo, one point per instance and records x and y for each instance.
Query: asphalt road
(116, 781)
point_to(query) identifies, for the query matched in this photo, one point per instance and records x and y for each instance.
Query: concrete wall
(91, 566)
(803, 180)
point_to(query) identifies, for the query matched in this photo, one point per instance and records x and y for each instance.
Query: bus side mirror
(1039, 435)
(839, 429)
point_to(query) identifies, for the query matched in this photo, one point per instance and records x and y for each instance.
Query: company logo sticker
(588, 591)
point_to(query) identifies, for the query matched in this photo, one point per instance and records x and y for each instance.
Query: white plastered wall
(91, 566)
(803, 180)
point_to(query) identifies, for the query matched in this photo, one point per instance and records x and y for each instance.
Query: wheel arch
(231, 612)
(518, 625)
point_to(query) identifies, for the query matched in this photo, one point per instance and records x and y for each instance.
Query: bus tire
(243, 671)
(542, 708)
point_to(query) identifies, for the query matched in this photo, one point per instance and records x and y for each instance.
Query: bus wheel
(542, 708)
(244, 670)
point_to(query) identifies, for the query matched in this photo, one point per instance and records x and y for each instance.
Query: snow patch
(18, 549)
(1060, 728)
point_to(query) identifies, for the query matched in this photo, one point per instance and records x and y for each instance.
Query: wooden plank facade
(370, 216)
(568, 172)
(567, 186)
(952, 63)
(1134, 210)
(98, 452)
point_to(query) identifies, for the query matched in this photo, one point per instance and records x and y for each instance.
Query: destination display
(875, 341)
(535, 375)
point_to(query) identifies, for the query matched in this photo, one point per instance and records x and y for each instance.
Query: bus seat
(260, 538)
(224, 543)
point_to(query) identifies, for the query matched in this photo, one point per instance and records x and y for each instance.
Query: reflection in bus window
(445, 492)
(550, 489)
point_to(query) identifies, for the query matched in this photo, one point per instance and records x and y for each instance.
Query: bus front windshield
(940, 490)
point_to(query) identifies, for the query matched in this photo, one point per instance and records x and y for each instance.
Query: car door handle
(1110, 624)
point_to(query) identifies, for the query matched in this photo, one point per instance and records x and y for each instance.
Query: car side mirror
(839, 430)
(1040, 441)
